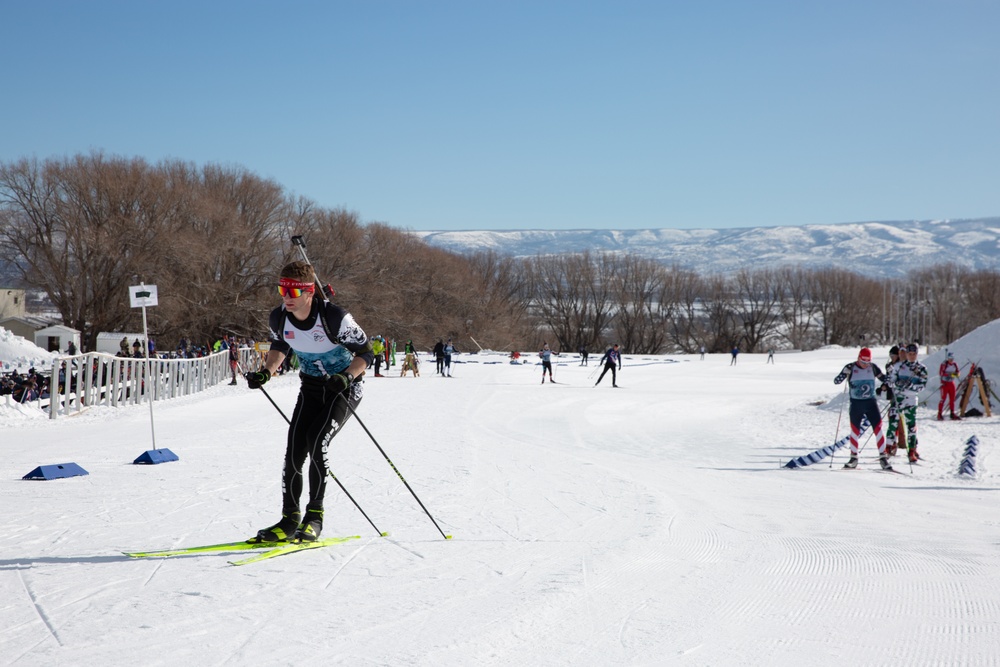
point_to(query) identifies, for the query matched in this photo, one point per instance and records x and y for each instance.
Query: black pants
(614, 375)
(319, 415)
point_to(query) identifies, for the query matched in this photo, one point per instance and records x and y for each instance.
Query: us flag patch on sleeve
(289, 335)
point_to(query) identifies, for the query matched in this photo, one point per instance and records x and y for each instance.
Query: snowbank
(980, 346)
(18, 353)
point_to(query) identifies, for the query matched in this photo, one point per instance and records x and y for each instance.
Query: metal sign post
(141, 296)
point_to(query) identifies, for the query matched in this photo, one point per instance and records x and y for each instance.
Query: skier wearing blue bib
(861, 376)
(333, 352)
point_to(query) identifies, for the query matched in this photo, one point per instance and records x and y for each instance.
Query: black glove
(340, 381)
(256, 378)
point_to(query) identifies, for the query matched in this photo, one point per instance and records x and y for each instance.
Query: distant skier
(449, 350)
(611, 359)
(861, 376)
(546, 354)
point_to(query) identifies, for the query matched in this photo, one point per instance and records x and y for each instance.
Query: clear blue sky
(536, 114)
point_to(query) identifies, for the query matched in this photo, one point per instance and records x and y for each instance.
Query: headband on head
(297, 284)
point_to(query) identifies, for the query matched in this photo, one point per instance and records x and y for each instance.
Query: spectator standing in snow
(948, 372)
(703, 353)
(735, 352)
(439, 357)
(611, 359)
(410, 362)
(546, 355)
(861, 376)
(584, 355)
(378, 349)
(907, 379)
(234, 356)
(770, 356)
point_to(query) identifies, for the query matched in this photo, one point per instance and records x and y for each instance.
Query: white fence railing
(95, 378)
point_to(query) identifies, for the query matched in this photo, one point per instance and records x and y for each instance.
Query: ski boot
(955, 417)
(913, 456)
(852, 463)
(281, 531)
(940, 418)
(884, 462)
(312, 526)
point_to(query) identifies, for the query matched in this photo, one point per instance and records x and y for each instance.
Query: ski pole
(398, 474)
(330, 472)
(264, 391)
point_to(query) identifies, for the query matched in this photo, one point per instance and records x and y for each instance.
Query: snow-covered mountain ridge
(874, 249)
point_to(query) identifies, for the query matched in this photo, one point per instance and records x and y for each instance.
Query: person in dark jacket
(439, 356)
(611, 359)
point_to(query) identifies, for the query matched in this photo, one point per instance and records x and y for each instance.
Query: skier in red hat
(861, 376)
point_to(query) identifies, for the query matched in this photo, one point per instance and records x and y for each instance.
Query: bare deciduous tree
(798, 307)
(643, 310)
(756, 301)
(83, 229)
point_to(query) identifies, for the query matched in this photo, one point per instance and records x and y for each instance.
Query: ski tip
(384, 534)
(447, 537)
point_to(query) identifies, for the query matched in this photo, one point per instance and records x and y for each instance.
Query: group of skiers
(612, 361)
(903, 380)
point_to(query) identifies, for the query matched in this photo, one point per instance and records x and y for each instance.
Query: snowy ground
(646, 525)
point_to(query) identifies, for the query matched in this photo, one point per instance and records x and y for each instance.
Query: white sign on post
(142, 296)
